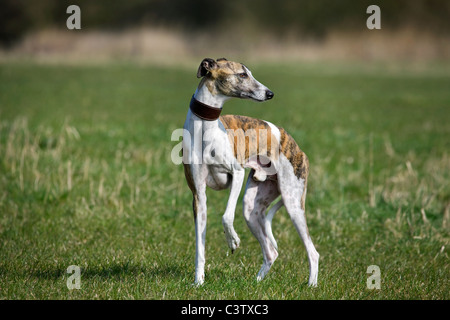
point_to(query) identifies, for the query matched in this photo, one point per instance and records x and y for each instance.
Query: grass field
(86, 179)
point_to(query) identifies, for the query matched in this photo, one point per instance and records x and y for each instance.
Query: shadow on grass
(111, 271)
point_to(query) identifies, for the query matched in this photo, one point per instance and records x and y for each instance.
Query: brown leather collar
(203, 111)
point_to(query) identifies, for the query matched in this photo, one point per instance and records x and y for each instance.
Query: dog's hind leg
(293, 193)
(268, 221)
(258, 196)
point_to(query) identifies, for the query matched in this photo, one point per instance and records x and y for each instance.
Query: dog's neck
(211, 98)
(205, 94)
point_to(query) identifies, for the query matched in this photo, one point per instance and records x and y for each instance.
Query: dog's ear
(207, 65)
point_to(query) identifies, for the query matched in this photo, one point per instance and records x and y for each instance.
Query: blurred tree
(13, 21)
(298, 17)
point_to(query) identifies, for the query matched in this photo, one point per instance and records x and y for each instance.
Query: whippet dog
(218, 158)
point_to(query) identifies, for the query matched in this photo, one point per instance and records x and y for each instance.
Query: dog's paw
(199, 280)
(232, 240)
(262, 272)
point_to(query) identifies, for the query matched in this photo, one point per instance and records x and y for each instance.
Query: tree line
(306, 17)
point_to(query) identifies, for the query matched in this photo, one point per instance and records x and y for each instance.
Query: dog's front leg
(196, 178)
(228, 217)
(199, 206)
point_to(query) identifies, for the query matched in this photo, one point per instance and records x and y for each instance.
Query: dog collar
(203, 111)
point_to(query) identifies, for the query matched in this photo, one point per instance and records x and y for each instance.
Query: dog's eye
(243, 75)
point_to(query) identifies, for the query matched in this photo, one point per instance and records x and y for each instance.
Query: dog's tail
(268, 221)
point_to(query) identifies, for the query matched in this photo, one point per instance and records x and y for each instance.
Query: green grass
(86, 179)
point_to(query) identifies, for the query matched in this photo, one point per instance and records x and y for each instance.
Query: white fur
(275, 131)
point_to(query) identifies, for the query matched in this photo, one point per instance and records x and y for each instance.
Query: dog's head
(232, 79)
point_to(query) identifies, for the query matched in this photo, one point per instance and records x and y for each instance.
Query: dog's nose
(269, 94)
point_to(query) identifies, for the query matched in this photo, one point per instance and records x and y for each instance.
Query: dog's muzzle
(269, 94)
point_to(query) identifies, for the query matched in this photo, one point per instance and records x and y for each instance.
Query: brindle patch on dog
(251, 128)
(296, 156)
(250, 137)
